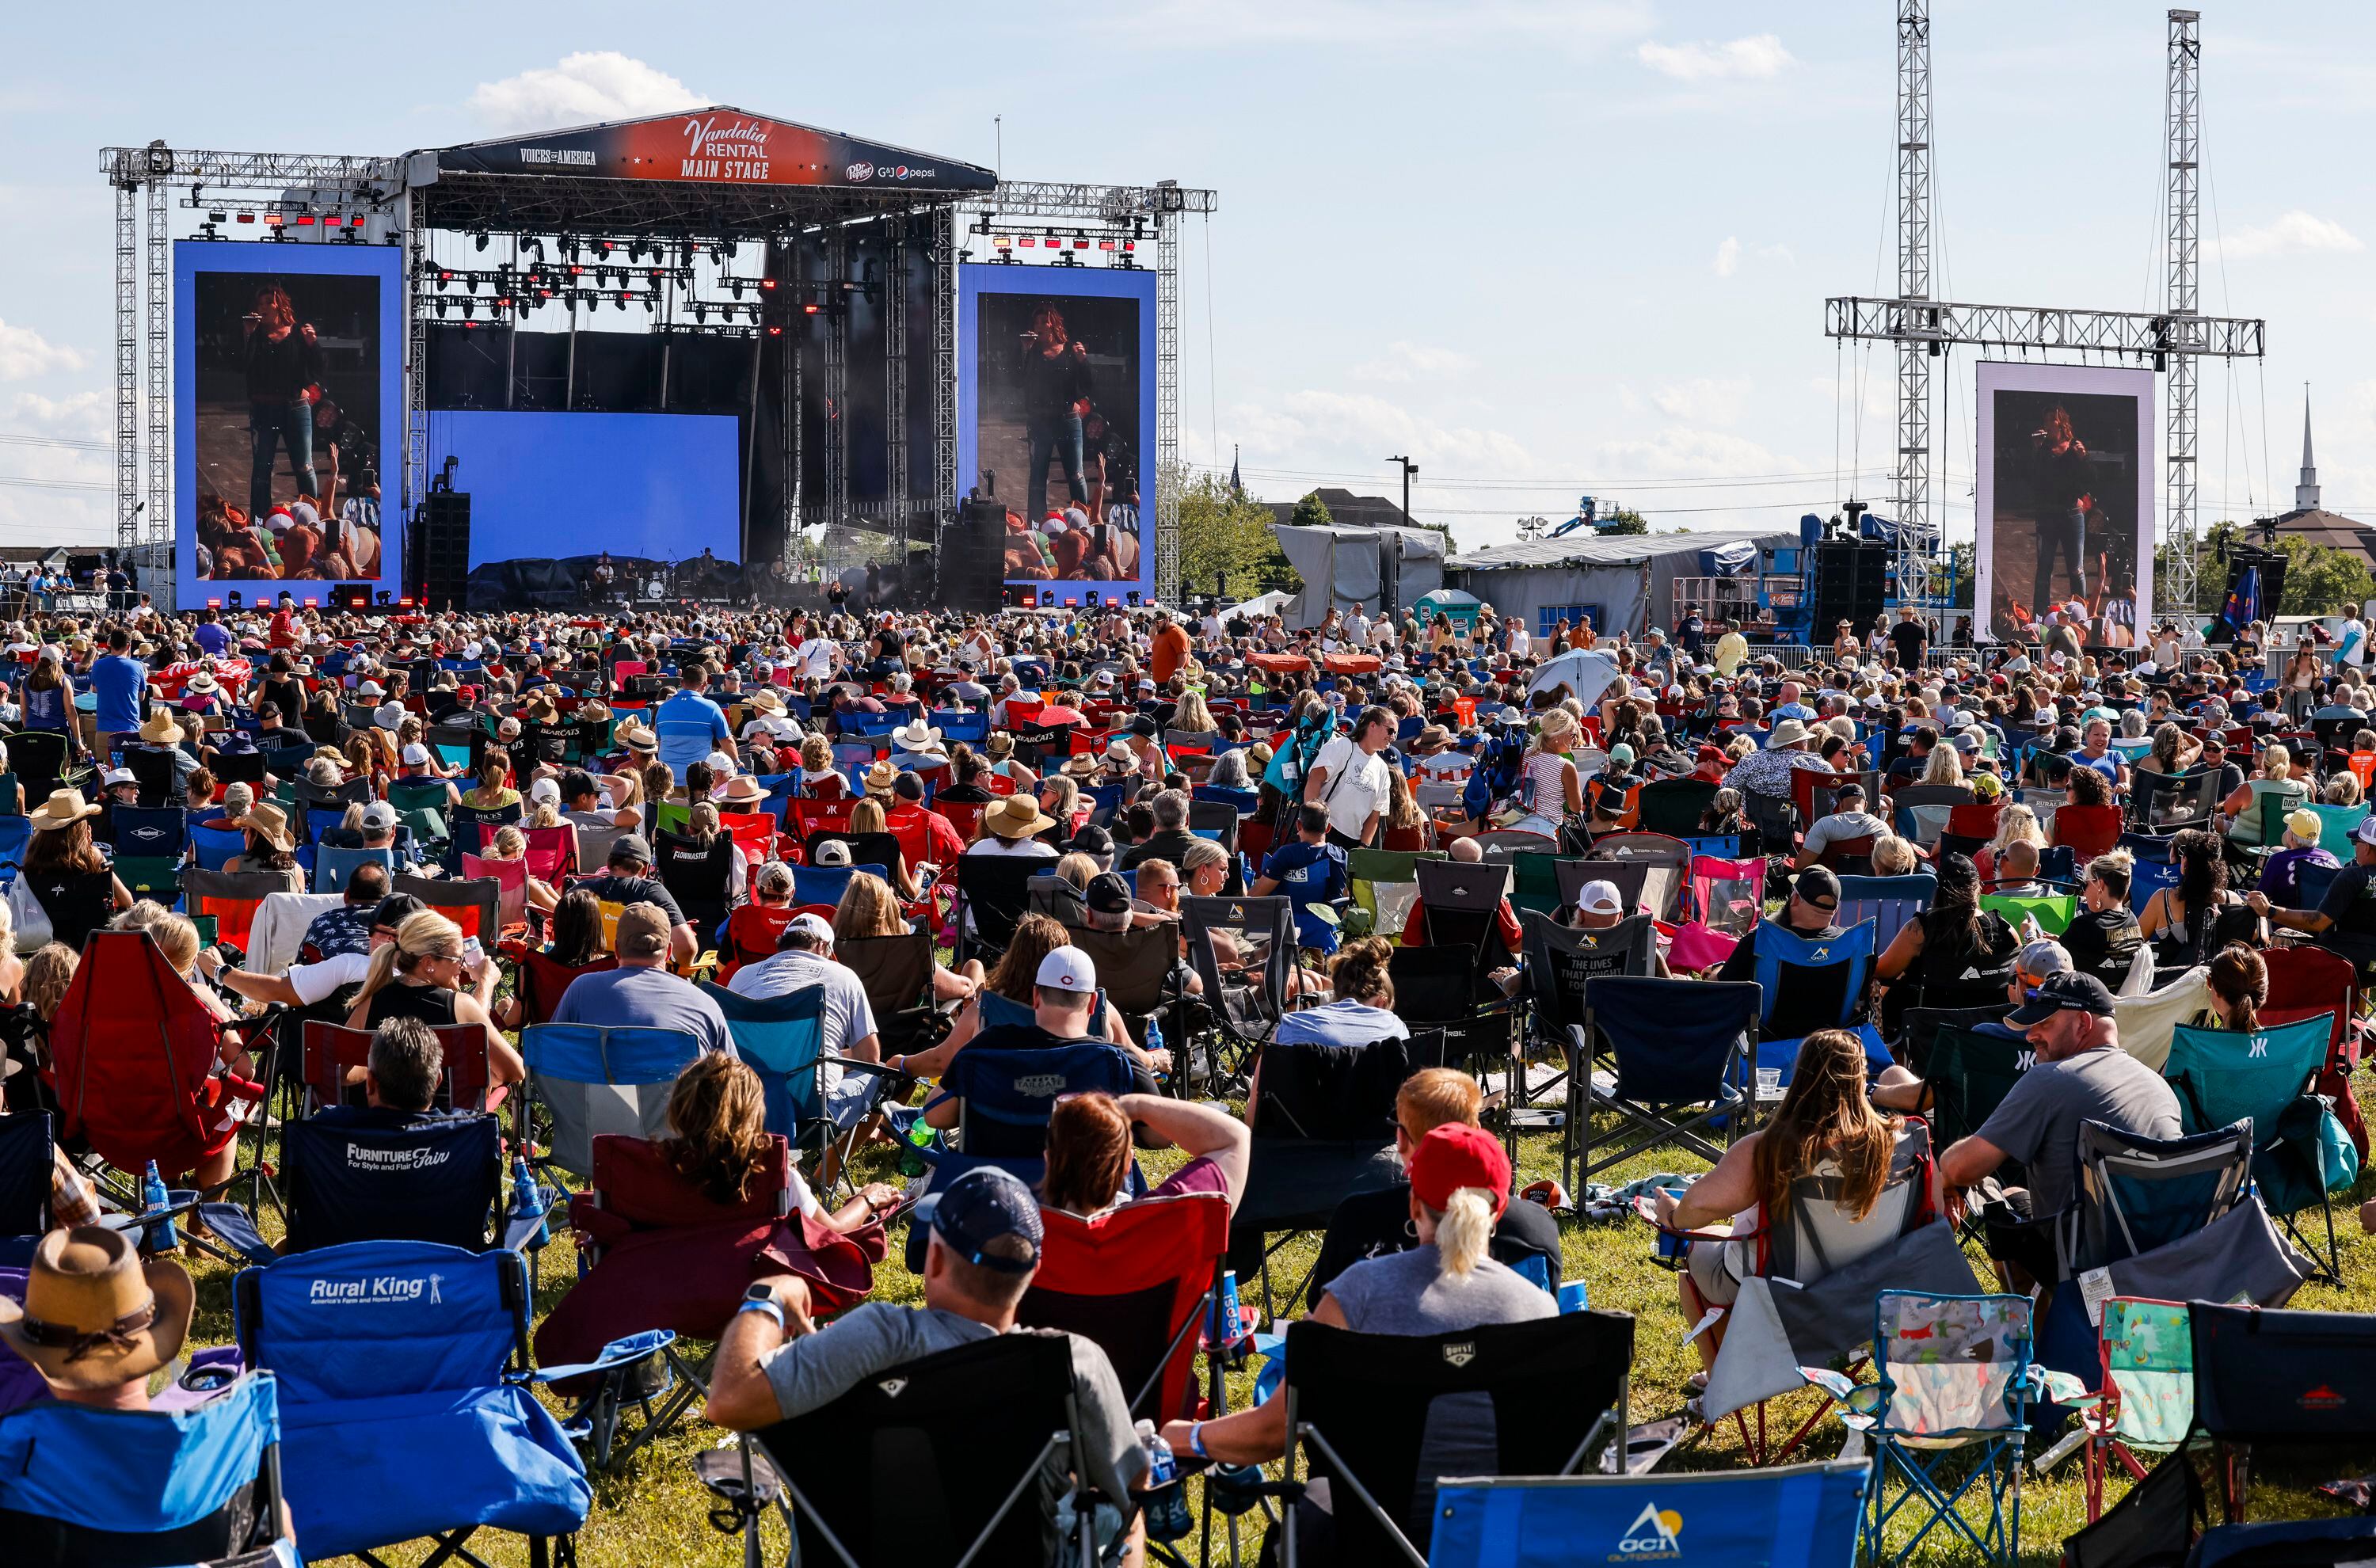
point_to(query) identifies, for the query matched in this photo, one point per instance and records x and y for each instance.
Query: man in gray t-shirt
(2082, 1075)
(774, 1363)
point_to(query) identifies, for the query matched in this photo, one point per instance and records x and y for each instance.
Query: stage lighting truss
(1054, 246)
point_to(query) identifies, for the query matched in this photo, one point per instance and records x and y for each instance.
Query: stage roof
(719, 145)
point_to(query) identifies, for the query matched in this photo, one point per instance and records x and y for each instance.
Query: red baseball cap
(1457, 1156)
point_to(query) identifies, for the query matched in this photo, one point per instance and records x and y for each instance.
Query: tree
(1226, 538)
(2318, 578)
(1622, 519)
(1310, 513)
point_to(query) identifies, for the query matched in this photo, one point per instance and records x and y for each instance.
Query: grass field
(654, 1512)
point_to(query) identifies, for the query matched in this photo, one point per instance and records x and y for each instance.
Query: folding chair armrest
(2051, 1386)
(1648, 1209)
(519, 1232)
(870, 1069)
(235, 1229)
(618, 1353)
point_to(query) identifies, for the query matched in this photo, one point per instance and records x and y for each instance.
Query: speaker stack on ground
(972, 562)
(439, 559)
(1847, 580)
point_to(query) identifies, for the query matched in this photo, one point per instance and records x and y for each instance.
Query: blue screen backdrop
(663, 486)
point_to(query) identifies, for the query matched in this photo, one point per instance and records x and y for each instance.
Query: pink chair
(510, 878)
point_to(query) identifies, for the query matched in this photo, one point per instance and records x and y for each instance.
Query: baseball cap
(2043, 957)
(1068, 969)
(416, 755)
(833, 852)
(632, 846)
(643, 932)
(1107, 894)
(2066, 992)
(545, 789)
(1600, 898)
(1621, 754)
(379, 815)
(395, 909)
(816, 926)
(2305, 824)
(1455, 1156)
(2366, 831)
(985, 1206)
(1818, 882)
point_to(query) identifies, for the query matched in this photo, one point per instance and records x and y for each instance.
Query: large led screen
(1056, 379)
(558, 486)
(2067, 501)
(287, 417)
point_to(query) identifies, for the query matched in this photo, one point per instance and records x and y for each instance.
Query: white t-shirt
(1522, 642)
(2353, 649)
(848, 1017)
(1357, 786)
(315, 982)
(816, 656)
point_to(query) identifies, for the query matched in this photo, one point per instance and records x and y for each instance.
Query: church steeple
(2306, 493)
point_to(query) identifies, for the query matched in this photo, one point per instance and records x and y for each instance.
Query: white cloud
(79, 416)
(25, 353)
(1703, 400)
(1727, 257)
(44, 513)
(1742, 59)
(2293, 233)
(1414, 361)
(585, 86)
(1729, 252)
(1332, 431)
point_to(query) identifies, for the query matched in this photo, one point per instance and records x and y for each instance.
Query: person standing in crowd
(1349, 778)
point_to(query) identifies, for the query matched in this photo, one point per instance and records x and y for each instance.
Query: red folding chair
(475, 905)
(964, 815)
(805, 816)
(1002, 785)
(2305, 981)
(2088, 831)
(1136, 1281)
(510, 878)
(133, 1052)
(232, 898)
(751, 934)
(755, 831)
(332, 1050)
(552, 852)
(544, 977)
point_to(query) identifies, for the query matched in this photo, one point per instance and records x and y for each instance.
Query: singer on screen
(284, 374)
(2066, 483)
(1056, 388)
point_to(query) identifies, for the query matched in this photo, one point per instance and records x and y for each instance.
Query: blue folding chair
(406, 1400)
(1787, 960)
(149, 832)
(782, 1040)
(1004, 1098)
(1795, 1516)
(1677, 1047)
(826, 884)
(16, 832)
(157, 1486)
(1889, 902)
(332, 867)
(589, 1078)
(960, 724)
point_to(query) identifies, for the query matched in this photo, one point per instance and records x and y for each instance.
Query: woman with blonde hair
(1548, 784)
(421, 975)
(511, 844)
(868, 817)
(1193, 717)
(1460, 1187)
(2015, 823)
(869, 909)
(1945, 767)
(816, 779)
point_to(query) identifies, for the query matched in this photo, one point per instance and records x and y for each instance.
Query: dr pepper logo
(861, 172)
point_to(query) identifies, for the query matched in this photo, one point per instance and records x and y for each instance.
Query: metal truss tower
(157, 530)
(837, 386)
(127, 352)
(896, 479)
(944, 272)
(1916, 534)
(1923, 329)
(2184, 115)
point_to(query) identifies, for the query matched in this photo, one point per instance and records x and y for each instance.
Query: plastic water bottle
(1165, 1501)
(527, 1199)
(154, 1199)
(920, 1137)
(1155, 1040)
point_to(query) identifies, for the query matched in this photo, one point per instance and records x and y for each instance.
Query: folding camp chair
(897, 974)
(198, 1483)
(1243, 951)
(658, 1253)
(697, 876)
(1955, 1378)
(1358, 1408)
(1677, 1048)
(1004, 1098)
(150, 834)
(974, 1428)
(510, 878)
(782, 1039)
(435, 1178)
(2144, 1400)
(541, 980)
(1670, 859)
(1674, 806)
(39, 760)
(2162, 805)
(2268, 1078)
(1969, 1072)
(1137, 1282)
(1888, 901)
(476, 906)
(1324, 1129)
(1790, 967)
(1728, 896)
(1464, 906)
(2136, 1194)
(1535, 882)
(405, 1399)
(2269, 1376)
(232, 898)
(591, 1078)
(333, 867)
(1385, 885)
(472, 827)
(1810, 1515)
(133, 1053)
(1139, 971)
(992, 897)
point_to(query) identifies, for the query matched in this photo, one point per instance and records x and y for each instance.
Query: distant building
(2308, 521)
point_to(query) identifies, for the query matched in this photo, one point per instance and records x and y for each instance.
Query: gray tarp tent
(1629, 577)
(1340, 567)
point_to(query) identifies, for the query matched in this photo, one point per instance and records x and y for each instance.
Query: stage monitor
(2066, 497)
(288, 435)
(547, 486)
(1056, 400)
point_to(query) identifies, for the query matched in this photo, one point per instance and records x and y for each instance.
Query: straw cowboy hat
(269, 822)
(1002, 744)
(201, 684)
(160, 730)
(638, 738)
(94, 1315)
(880, 777)
(916, 736)
(767, 701)
(741, 789)
(63, 809)
(1081, 767)
(592, 712)
(1786, 732)
(1016, 816)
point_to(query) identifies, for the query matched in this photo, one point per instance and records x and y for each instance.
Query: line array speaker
(439, 560)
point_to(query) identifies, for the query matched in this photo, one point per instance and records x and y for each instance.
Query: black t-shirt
(1372, 1224)
(2350, 903)
(2103, 943)
(1052, 384)
(1907, 638)
(278, 371)
(1955, 963)
(636, 890)
(1810, 998)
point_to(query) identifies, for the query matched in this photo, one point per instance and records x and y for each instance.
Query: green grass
(654, 1512)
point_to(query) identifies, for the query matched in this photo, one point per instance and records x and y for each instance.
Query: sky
(1544, 247)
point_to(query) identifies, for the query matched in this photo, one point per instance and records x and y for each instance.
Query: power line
(1723, 482)
(57, 441)
(55, 483)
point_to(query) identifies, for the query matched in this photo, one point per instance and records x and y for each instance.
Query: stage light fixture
(766, 282)
(700, 312)
(479, 240)
(273, 220)
(811, 308)
(214, 604)
(469, 309)
(444, 278)
(247, 218)
(621, 301)
(445, 308)
(774, 332)
(304, 218)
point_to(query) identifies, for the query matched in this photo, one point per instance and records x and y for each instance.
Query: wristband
(767, 1306)
(1196, 1440)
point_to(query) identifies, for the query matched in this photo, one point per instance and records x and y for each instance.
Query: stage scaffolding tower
(1124, 207)
(2170, 339)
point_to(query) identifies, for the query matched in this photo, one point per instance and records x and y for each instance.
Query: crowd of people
(639, 741)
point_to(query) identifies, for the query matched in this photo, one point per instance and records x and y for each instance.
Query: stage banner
(287, 418)
(1056, 419)
(716, 146)
(2066, 503)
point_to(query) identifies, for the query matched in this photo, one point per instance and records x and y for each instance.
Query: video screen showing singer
(1061, 404)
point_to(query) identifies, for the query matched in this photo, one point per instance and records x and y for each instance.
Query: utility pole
(1390, 552)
